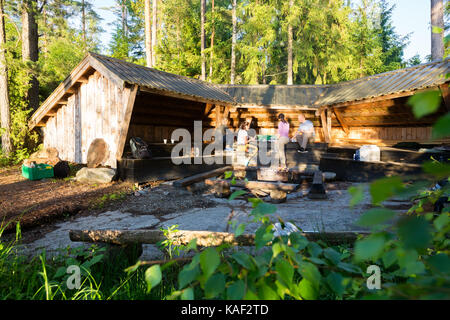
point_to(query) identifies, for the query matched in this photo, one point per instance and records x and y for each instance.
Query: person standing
(304, 133)
(283, 139)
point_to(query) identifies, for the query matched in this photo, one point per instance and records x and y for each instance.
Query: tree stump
(278, 196)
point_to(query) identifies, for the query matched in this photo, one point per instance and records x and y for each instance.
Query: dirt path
(35, 203)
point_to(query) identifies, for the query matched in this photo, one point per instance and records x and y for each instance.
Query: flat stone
(95, 175)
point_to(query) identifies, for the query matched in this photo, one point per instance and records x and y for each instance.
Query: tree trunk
(44, 34)
(30, 47)
(290, 45)
(437, 39)
(233, 44)
(148, 33)
(154, 31)
(212, 44)
(202, 38)
(83, 23)
(124, 19)
(5, 119)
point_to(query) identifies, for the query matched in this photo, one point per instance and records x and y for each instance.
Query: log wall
(384, 122)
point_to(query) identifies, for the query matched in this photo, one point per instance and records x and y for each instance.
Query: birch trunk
(148, 34)
(437, 39)
(290, 45)
(202, 38)
(212, 44)
(83, 23)
(233, 44)
(154, 31)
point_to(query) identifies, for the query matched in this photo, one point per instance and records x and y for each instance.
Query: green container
(264, 137)
(40, 171)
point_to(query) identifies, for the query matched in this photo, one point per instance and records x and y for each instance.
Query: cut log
(277, 196)
(98, 153)
(317, 190)
(287, 187)
(222, 190)
(204, 238)
(201, 176)
(271, 174)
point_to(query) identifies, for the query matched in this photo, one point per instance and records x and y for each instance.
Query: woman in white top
(243, 143)
(242, 138)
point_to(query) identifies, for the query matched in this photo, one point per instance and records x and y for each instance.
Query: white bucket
(369, 153)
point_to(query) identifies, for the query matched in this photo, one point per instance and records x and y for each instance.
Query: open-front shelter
(114, 100)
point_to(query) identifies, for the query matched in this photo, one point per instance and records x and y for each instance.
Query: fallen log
(287, 187)
(204, 238)
(201, 176)
(121, 237)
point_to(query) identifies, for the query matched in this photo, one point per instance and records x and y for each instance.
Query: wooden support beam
(323, 119)
(341, 121)
(204, 238)
(123, 131)
(208, 109)
(226, 112)
(83, 79)
(445, 95)
(329, 112)
(218, 115)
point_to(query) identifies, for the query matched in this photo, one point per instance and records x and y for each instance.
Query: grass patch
(102, 201)
(44, 278)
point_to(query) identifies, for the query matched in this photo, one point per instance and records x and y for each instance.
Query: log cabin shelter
(110, 99)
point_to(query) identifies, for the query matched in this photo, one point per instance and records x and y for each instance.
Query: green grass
(44, 278)
(106, 198)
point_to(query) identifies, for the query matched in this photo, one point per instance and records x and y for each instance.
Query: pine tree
(392, 44)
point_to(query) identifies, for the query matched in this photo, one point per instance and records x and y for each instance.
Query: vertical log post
(323, 119)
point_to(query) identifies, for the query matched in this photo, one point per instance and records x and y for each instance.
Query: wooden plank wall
(94, 111)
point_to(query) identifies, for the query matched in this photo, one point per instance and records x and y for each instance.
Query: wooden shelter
(109, 99)
(371, 110)
(106, 98)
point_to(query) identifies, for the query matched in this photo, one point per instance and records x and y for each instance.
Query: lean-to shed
(109, 99)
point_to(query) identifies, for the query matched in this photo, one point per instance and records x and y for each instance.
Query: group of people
(304, 133)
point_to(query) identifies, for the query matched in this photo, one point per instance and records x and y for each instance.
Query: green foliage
(332, 41)
(425, 103)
